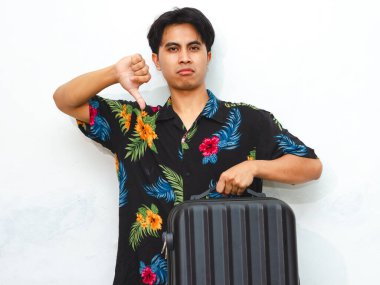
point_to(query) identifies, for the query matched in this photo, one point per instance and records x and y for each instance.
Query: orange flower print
(145, 131)
(148, 223)
(143, 136)
(139, 218)
(117, 164)
(123, 112)
(126, 116)
(144, 225)
(127, 123)
(154, 220)
(252, 154)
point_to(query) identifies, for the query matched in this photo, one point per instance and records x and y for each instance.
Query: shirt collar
(214, 109)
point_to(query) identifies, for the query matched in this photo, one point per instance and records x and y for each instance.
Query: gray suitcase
(235, 241)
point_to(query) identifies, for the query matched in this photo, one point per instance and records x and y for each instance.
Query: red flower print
(209, 146)
(155, 109)
(93, 113)
(148, 276)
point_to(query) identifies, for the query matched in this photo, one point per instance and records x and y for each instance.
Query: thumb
(220, 185)
(139, 99)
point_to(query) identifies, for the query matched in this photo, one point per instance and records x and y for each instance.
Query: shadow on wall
(319, 262)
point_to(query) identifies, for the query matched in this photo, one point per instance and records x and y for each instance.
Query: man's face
(183, 57)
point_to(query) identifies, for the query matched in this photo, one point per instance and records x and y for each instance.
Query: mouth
(185, 71)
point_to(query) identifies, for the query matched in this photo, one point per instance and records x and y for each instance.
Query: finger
(141, 79)
(220, 186)
(136, 58)
(139, 99)
(142, 71)
(227, 189)
(234, 190)
(240, 191)
(138, 66)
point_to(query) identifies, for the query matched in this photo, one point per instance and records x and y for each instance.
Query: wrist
(112, 74)
(255, 166)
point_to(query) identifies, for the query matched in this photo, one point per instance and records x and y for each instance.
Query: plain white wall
(314, 64)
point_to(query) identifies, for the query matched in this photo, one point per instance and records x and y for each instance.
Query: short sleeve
(278, 141)
(109, 119)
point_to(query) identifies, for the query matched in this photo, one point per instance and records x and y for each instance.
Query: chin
(185, 85)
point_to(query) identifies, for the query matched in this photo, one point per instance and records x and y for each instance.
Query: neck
(189, 101)
(188, 104)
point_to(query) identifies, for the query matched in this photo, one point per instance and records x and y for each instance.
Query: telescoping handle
(207, 192)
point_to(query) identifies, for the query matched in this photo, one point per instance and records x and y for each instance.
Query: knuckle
(136, 58)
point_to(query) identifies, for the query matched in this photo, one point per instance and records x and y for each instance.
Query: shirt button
(187, 174)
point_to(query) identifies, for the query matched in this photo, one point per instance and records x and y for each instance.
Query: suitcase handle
(207, 192)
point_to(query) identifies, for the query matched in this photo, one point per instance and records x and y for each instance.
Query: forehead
(180, 33)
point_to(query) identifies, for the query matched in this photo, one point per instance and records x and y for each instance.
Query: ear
(209, 56)
(155, 60)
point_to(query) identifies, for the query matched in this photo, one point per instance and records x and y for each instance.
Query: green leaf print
(136, 148)
(232, 105)
(187, 138)
(175, 181)
(143, 136)
(252, 154)
(277, 122)
(123, 113)
(148, 223)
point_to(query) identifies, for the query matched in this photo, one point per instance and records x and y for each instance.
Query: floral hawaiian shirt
(159, 163)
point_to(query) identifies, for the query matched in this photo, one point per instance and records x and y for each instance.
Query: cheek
(166, 64)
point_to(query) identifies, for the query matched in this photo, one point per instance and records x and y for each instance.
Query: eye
(194, 48)
(172, 49)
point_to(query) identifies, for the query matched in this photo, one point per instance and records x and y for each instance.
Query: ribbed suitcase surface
(232, 241)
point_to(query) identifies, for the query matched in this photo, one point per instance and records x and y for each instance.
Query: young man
(194, 142)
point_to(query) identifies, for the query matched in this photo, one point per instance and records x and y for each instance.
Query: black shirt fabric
(159, 164)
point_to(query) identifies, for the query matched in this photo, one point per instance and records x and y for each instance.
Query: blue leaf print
(159, 267)
(213, 193)
(123, 191)
(211, 106)
(290, 147)
(100, 129)
(161, 190)
(229, 136)
(142, 266)
(94, 103)
(213, 158)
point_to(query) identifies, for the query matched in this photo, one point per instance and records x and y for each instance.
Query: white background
(314, 64)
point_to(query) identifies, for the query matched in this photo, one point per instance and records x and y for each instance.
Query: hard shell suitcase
(238, 241)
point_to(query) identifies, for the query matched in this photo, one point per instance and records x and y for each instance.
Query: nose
(184, 56)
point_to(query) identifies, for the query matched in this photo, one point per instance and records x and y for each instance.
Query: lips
(185, 71)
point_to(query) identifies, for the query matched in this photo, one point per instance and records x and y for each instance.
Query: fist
(132, 71)
(236, 179)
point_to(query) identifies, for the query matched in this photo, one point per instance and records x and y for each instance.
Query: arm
(287, 169)
(72, 97)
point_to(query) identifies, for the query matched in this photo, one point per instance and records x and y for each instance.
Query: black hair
(181, 16)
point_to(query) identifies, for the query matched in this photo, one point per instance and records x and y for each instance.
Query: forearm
(289, 169)
(79, 90)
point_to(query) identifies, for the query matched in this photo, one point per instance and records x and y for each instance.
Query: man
(194, 142)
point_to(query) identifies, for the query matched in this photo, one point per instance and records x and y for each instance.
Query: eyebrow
(177, 44)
